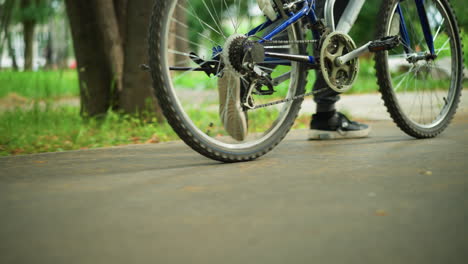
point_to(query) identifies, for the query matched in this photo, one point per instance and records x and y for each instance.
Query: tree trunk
(11, 52)
(5, 19)
(95, 73)
(110, 44)
(49, 52)
(110, 35)
(1, 54)
(120, 7)
(28, 33)
(137, 95)
(29, 26)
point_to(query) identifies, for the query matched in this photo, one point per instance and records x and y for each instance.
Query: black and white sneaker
(336, 126)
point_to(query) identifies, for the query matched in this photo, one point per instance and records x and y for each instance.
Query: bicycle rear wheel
(190, 99)
(421, 95)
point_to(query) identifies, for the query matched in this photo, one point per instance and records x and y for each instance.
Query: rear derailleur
(245, 57)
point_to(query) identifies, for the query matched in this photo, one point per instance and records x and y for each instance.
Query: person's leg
(326, 100)
(327, 123)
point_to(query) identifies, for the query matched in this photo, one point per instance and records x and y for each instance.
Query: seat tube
(313, 19)
(425, 25)
(328, 13)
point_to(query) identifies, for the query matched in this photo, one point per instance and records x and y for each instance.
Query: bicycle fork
(426, 30)
(391, 42)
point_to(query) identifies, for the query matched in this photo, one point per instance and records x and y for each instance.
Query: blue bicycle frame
(308, 10)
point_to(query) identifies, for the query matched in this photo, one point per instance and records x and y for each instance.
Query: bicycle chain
(297, 97)
(282, 42)
(287, 100)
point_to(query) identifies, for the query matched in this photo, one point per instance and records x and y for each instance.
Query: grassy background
(58, 129)
(39, 85)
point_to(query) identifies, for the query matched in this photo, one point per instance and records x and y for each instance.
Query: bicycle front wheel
(184, 37)
(420, 92)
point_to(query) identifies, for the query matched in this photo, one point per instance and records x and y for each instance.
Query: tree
(11, 52)
(6, 11)
(31, 13)
(109, 39)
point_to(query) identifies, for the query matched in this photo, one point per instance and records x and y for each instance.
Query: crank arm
(386, 43)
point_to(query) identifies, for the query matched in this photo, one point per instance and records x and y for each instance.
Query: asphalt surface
(385, 199)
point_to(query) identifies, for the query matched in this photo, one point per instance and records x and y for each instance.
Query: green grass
(58, 129)
(53, 129)
(39, 85)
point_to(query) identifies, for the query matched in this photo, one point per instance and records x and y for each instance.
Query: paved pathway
(385, 199)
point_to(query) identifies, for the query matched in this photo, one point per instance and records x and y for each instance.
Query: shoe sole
(231, 113)
(315, 134)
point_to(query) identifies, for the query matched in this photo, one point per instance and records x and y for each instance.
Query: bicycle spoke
(230, 17)
(438, 30)
(188, 41)
(238, 15)
(443, 47)
(214, 19)
(216, 12)
(201, 21)
(421, 86)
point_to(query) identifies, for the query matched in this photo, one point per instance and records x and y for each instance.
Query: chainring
(339, 78)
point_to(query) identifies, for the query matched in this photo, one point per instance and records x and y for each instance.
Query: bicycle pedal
(386, 43)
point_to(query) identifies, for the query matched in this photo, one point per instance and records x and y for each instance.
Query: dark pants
(326, 100)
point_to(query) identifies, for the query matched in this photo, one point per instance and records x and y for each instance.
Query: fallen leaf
(153, 140)
(193, 188)
(426, 172)
(17, 151)
(381, 213)
(135, 140)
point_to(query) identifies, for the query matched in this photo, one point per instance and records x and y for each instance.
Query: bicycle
(273, 44)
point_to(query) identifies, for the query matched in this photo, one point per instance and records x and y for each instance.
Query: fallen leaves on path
(381, 213)
(425, 172)
(153, 140)
(17, 151)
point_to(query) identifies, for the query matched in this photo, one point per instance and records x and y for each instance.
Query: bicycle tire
(394, 99)
(179, 120)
